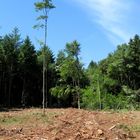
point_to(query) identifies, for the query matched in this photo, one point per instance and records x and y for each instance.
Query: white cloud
(111, 15)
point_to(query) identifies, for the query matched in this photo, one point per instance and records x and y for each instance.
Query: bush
(90, 100)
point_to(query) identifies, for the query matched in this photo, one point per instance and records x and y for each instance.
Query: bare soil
(69, 124)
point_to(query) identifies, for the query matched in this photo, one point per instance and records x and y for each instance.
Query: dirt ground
(69, 124)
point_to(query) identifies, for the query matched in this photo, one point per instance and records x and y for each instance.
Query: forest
(32, 78)
(112, 83)
(48, 93)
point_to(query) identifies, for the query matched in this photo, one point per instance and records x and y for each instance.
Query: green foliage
(113, 83)
(133, 95)
(73, 48)
(70, 73)
(27, 60)
(43, 7)
(49, 57)
(27, 53)
(61, 92)
(60, 58)
(39, 25)
(90, 100)
(8, 64)
(115, 79)
(46, 4)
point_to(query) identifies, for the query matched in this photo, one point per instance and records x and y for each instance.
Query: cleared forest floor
(68, 124)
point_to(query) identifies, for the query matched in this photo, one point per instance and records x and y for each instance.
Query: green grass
(135, 128)
(10, 120)
(27, 118)
(132, 128)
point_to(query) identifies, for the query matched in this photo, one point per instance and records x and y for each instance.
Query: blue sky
(99, 25)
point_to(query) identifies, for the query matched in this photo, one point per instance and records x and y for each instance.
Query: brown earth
(69, 124)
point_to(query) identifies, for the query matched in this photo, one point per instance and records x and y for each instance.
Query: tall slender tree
(73, 50)
(44, 7)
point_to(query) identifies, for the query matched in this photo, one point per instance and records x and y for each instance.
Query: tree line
(115, 80)
(112, 83)
(30, 77)
(21, 71)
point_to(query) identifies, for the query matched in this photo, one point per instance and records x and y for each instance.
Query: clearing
(68, 124)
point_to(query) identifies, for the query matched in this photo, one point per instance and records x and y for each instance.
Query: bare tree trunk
(44, 67)
(10, 86)
(43, 102)
(78, 94)
(5, 87)
(99, 94)
(46, 89)
(23, 94)
(1, 77)
(78, 83)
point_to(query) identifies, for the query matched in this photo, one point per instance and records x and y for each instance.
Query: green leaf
(39, 6)
(37, 26)
(42, 17)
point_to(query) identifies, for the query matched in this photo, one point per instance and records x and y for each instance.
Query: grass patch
(29, 118)
(41, 117)
(132, 128)
(123, 127)
(135, 128)
(10, 120)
